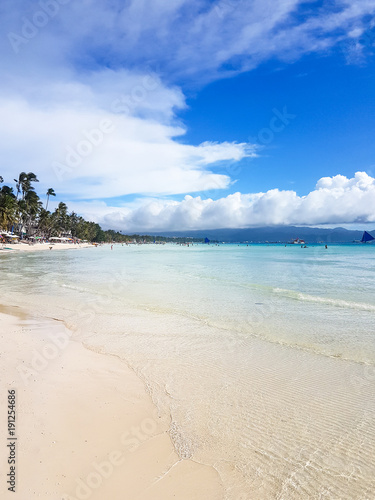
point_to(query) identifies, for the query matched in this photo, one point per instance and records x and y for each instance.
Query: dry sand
(24, 247)
(86, 427)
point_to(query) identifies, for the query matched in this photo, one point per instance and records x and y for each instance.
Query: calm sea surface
(262, 356)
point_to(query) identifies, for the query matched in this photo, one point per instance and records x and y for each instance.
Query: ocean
(261, 356)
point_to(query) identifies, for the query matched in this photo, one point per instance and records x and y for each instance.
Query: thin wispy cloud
(214, 38)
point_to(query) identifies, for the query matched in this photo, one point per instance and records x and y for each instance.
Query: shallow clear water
(313, 298)
(262, 356)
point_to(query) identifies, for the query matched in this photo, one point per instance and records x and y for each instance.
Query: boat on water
(366, 237)
(297, 241)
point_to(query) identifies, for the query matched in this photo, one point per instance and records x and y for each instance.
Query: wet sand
(269, 420)
(86, 427)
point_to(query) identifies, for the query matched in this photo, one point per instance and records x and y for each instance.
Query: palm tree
(23, 183)
(62, 218)
(50, 192)
(7, 191)
(26, 185)
(46, 222)
(8, 207)
(31, 205)
(19, 182)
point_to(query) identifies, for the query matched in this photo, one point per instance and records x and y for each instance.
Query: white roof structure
(10, 235)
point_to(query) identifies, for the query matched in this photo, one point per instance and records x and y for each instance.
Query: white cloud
(199, 39)
(335, 200)
(90, 61)
(114, 136)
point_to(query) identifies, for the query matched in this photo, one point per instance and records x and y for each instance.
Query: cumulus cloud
(335, 200)
(101, 139)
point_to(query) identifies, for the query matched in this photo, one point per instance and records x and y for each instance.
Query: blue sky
(156, 115)
(334, 107)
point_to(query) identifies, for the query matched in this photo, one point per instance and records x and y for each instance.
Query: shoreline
(268, 419)
(23, 247)
(86, 426)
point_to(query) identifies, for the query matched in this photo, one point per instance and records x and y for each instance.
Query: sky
(192, 114)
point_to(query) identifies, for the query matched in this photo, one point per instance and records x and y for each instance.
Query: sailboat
(366, 237)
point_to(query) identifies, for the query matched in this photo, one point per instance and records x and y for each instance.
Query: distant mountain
(281, 234)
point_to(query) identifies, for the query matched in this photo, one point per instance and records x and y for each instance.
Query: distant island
(273, 234)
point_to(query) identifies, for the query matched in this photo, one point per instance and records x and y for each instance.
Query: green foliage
(8, 207)
(50, 192)
(26, 214)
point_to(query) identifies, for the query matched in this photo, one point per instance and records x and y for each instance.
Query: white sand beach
(212, 165)
(36, 247)
(163, 377)
(86, 427)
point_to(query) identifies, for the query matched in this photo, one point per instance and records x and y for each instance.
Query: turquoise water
(314, 298)
(262, 356)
